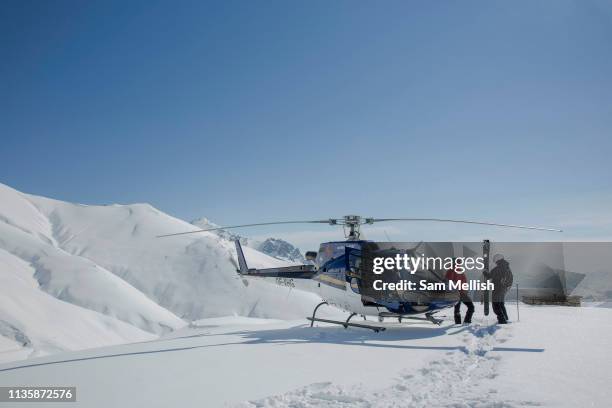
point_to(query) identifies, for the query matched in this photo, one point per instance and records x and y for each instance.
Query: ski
(486, 295)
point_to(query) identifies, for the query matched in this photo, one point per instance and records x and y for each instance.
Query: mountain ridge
(102, 268)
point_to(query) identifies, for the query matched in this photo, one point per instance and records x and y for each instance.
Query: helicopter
(333, 273)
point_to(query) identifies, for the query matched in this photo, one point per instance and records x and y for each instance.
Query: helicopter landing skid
(428, 317)
(314, 312)
(347, 324)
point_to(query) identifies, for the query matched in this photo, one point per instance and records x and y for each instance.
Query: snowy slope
(33, 322)
(193, 276)
(64, 265)
(554, 356)
(28, 235)
(205, 223)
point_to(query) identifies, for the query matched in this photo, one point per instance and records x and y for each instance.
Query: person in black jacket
(501, 276)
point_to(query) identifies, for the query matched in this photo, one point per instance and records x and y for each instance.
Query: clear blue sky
(252, 111)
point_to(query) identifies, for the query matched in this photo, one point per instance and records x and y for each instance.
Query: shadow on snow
(312, 335)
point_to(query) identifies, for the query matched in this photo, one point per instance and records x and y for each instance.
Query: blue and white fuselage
(330, 278)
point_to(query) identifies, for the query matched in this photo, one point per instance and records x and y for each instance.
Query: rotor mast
(353, 224)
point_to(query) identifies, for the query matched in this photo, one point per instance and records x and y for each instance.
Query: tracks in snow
(463, 378)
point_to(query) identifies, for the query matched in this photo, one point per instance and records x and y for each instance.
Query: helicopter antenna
(352, 225)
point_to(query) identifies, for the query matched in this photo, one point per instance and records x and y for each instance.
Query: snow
(553, 356)
(595, 286)
(275, 247)
(192, 276)
(75, 276)
(34, 323)
(281, 249)
(91, 298)
(574, 368)
(70, 277)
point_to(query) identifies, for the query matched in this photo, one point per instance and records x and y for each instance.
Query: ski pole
(518, 315)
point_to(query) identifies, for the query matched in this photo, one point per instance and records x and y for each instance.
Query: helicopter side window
(331, 251)
(336, 264)
(333, 273)
(325, 254)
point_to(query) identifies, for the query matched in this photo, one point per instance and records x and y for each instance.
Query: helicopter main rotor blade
(466, 222)
(328, 221)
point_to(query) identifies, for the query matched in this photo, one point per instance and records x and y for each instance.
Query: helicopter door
(333, 273)
(353, 268)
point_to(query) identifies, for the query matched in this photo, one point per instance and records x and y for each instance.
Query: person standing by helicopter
(453, 275)
(502, 278)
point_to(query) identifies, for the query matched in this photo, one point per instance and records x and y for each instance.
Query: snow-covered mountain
(275, 247)
(205, 223)
(281, 249)
(596, 286)
(75, 276)
(33, 322)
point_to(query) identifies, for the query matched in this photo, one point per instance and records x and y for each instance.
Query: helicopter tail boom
(293, 272)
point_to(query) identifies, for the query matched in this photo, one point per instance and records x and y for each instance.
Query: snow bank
(71, 277)
(33, 320)
(76, 276)
(193, 276)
